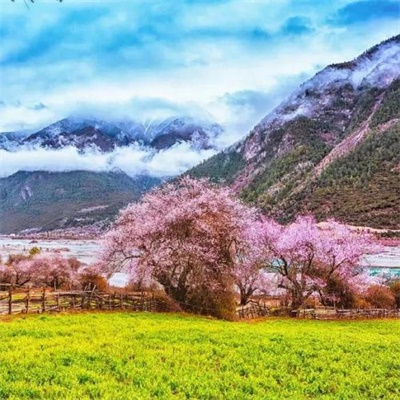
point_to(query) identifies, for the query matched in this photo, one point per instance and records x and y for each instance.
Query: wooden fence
(259, 309)
(40, 301)
(337, 313)
(252, 310)
(19, 301)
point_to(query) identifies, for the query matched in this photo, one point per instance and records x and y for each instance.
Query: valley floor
(147, 356)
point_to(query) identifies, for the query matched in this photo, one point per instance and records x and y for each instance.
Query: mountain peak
(377, 67)
(369, 54)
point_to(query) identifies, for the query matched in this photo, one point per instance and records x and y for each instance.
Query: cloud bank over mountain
(133, 160)
(230, 59)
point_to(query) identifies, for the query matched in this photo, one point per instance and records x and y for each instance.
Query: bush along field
(147, 356)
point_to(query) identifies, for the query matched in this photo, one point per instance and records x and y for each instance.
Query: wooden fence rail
(254, 310)
(13, 301)
(40, 301)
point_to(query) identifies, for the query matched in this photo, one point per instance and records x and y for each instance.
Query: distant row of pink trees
(203, 245)
(53, 271)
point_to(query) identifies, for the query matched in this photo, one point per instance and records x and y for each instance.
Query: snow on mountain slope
(94, 133)
(377, 67)
(10, 140)
(48, 177)
(332, 148)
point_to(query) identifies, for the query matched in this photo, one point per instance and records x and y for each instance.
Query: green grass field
(147, 356)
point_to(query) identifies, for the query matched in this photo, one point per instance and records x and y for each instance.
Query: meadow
(166, 356)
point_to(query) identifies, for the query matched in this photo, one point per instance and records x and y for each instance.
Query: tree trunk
(244, 296)
(297, 299)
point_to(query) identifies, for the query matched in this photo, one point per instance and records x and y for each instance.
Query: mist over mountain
(159, 148)
(332, 148)
(105, 136)
(80, 171)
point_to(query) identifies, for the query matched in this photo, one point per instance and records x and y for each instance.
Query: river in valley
(386, 263)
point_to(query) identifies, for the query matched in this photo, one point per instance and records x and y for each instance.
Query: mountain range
(32, 201)
(105, 136)
(332, 149)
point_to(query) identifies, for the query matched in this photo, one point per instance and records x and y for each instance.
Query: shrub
(166, 303)
(395, 289)
(380, 296)
(90, 278)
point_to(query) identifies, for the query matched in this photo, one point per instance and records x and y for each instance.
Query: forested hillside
(51, 200)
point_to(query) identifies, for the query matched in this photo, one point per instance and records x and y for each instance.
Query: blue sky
(231, 61)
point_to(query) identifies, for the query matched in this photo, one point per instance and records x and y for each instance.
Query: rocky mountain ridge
(288, 163)
(105, 136)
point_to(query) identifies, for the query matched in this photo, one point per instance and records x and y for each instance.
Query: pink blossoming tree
(54, 271)
(38, 270)
(186, 236)
(308, 257)
(249, 272)
(16, 271)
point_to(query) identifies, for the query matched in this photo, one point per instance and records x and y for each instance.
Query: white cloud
(134, 160)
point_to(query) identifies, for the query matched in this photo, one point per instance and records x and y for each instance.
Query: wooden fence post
(27, 299)
(44, 300)
(10, 292)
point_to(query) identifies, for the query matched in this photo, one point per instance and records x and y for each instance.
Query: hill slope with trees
(43, 201)
(332, 148)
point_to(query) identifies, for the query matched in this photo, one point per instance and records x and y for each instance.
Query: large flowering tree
(309, 258)
(186, 236)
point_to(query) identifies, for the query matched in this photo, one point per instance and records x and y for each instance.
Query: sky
(230, 61)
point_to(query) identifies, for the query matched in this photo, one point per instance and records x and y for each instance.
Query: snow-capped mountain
(105, 136)
(378, 68)
(331, 148)
(91, 164)
(11, 140)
